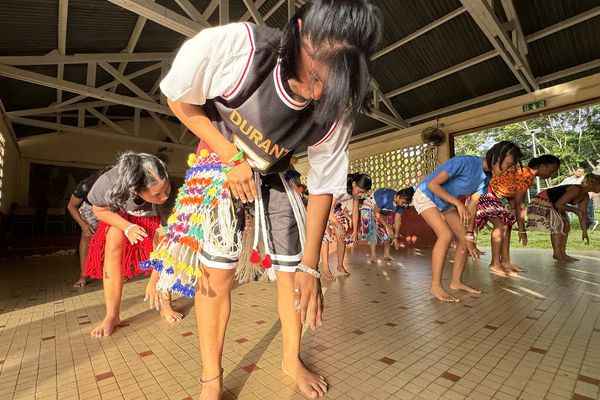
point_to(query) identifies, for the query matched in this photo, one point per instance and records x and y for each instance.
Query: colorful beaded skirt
(203, 206)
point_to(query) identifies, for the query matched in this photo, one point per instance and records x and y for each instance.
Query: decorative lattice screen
(399, 168)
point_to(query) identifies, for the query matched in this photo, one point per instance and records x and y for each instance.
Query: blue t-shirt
(384, 199)
(465, 176)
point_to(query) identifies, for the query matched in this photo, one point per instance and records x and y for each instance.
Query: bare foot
(515, 267)
(80, 283)
(212, 389)
(388, 258)
(169, 313)
(462, 286)
(503, 270)
(375, 260)
(106, 327)
(562, 259)
(310, 384)
(341, 269)
(439, 293)
(326, 273)
(572, 258)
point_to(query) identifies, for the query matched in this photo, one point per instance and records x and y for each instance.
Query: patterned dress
(502, 187)
(372, 231)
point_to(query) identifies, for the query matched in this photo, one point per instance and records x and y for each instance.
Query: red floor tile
(449, 376)
(104, 375)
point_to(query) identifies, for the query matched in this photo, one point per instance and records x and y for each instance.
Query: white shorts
(421, 202)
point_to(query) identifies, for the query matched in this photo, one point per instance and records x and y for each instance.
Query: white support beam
(518, 38)
(44, 80)
(448, 71)
(253, 10)
(274, 8)
(55, 58)
(127, 82)
(54, 109)
(90, 76)
(386, 119)
(161, 15)
(182, 131)
(291, 8)
(107, 121)
(97, 133)
(164, 127)
(81, 117)
(136, 122)
(223, 12)
(247, 15)
(503, 92)
(379, 97)
(559, 26)
(485, 18)
(63, 14)
(419, 32)
(109, 85)
(210, 9)
(192, 12)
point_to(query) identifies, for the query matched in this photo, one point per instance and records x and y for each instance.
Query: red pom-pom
(254, 257)
(266, 262)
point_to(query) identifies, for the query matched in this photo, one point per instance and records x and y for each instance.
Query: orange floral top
(512, 181)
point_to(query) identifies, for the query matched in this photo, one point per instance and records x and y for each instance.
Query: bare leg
(506, 260)
(564, 238)
(311, 384)
(112, 281)
(436, 221)
(497, 242)
(556, 239)
(341, 251)
(460, 255)
(84, 243)
(387, 246)
(373, 258)
(325, 262)
(213, 307)
(167, 310)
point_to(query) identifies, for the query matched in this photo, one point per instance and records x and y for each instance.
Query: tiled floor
(532, 337)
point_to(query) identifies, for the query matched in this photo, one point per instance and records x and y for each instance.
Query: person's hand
(390, 231)
(396, 243)
(339, 229)
(585, 238)
(309, 299)
(87, 231)
(354, 236)
(241, 182)
(153, 296)
(523, 238)
(135, 233)
(463, 213)
(472, 249)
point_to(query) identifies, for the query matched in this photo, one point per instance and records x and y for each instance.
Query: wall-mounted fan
(433, 136)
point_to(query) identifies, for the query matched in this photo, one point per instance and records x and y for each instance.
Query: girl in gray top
(130, 200)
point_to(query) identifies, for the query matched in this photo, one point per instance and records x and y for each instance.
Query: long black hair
(136, 172)
(544, 159)
(345, 35)
(363, 181)
(406, 193)
(499, 152)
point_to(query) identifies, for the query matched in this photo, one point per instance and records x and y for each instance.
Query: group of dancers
(252, 95)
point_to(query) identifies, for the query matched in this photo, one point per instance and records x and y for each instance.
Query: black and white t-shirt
(234, 73)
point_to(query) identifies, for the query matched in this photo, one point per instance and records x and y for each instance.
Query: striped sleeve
(328, 160)
(214, 63)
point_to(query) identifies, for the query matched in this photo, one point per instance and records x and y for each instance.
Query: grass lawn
(541, 240)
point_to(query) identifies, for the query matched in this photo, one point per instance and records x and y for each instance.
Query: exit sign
(534, 106)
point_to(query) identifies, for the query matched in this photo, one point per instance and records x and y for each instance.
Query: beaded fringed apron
(204, 219)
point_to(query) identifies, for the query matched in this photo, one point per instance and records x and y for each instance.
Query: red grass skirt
(133, 254)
